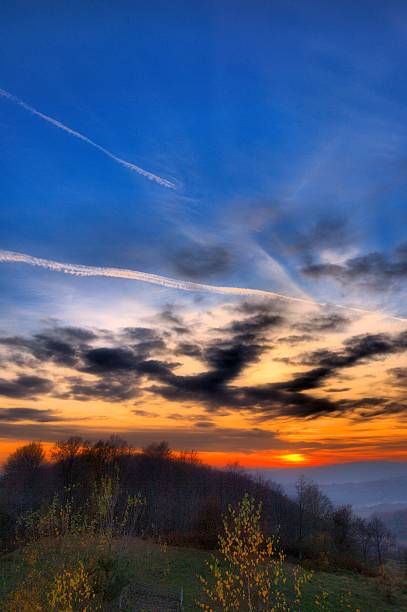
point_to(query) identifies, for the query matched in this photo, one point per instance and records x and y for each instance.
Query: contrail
(164, 281)
(65, 128)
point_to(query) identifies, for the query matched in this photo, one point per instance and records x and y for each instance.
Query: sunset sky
(246, 145)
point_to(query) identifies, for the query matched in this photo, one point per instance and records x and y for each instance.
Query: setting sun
(293, 458)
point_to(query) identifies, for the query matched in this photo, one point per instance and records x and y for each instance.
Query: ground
(162, 576)
(168, 571)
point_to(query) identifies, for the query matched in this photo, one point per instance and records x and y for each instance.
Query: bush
(249, 573)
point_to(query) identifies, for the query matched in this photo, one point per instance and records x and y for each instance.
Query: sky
(155, 155)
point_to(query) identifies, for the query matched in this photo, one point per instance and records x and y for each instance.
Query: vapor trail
(164, 281)
(65, 128)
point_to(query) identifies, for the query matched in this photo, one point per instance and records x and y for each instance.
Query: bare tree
(381, 537)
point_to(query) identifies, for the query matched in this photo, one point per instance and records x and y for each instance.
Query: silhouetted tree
(23, 476)
(160, 449)
(381, 537)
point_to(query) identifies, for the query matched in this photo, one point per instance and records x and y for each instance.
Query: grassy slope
(166, 573)
(159, 574)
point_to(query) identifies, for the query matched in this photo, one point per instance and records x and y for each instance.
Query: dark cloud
(329, 232)
(188, 349)
(225, 363)
(142, 334)
(117, 368)
(295, 339)
(146, 413)
(358, 349)
(25, 386)
(144, 340)
(398, 377)
(241, 344)
(127, 368)
(75, 334)
(214, 388)
(60, 345)
(199, 262)
(324, 323)
(374, 271)
(305, 240)
(197, 438)
(254, 327)
(44, 347)
(106, 389)
(105, 360)
(204, 424)
(38, 415)
(169, 315)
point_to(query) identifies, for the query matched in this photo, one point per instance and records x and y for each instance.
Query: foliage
(71, 590)
(68, 559)
(250, 574)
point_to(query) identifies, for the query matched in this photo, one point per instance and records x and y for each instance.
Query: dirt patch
(142, 600)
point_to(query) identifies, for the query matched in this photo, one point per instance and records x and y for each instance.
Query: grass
(167, 571)
(159, 574)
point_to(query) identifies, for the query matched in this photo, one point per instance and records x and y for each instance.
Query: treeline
(184, 500)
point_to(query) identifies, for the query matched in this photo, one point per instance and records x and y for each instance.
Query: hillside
(159, 574)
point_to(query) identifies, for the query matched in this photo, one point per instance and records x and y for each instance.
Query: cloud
(214, 388)
(149, 175)
(328, 233)
(374, 271)
(201, 262)
(81, 270)
(357, 349)
(398, 377)
(323, 323)
(295, 339)
(124, 370)
(146, 413)
(105, 360)
(204, 424)
(245, 440)
(108, 388)
(38, 415)
(188, 349)
(117, 368)
(25, 386)
(44, 347)
(255, 326)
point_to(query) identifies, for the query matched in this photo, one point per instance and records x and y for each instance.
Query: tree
(363, 536)
(313, 510)
(65, 453)
(381, 537)
(250, 574)
(25, 459)
(68, 450)
(22, 475)
(161, 450)
(342, 520)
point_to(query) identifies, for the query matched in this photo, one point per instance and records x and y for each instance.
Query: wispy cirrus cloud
(164, 281)
(126, 164)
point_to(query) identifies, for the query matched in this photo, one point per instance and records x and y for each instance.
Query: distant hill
(353, 472)
(370, 487)
(397, 523)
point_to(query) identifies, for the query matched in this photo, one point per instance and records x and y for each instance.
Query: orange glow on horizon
(294, 458)
(256, 460)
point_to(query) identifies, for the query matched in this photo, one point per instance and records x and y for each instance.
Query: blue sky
(294, 103)
(282, 124)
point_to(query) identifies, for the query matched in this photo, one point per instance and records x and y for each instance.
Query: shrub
(249, 574)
